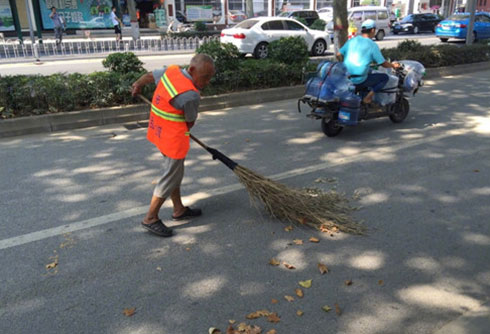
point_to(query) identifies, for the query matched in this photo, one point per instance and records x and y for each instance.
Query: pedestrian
(173, 112)
(116, 21)
(59, 25)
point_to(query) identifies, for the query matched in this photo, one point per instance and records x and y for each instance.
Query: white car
(254, 35)
(326, 14)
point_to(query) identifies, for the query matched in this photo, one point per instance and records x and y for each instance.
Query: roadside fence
(16, 51)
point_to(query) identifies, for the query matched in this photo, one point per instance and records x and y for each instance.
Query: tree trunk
(340, 24)
(135, 28)
(250, 8)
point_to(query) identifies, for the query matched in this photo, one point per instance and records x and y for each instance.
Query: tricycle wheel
(330, 127)
(400, 111)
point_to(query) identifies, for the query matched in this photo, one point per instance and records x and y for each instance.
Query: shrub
(226, 56)
(442, 54)
(123, 62)
(319, 25)
(289, 50)
(302, 20)
(409, 45)
(200, 26)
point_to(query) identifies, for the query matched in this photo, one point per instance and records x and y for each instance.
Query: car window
(370, 14)
(458, 17)
(290, 25)
(247, 24)
(382, 15)
(407, 19)
(484, 18)
(273, 25)
(356, 16)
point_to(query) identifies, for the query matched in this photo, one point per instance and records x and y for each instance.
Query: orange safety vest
(167, 128)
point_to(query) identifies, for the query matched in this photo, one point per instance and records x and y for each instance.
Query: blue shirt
(56, 20)
(359, 52)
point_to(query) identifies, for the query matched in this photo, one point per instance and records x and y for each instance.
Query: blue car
(455, 26)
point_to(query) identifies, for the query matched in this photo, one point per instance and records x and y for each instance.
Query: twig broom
(323, 211)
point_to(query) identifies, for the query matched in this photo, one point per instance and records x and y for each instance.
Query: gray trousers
(58, 33)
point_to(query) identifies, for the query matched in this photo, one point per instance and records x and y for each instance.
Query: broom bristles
(324, 211)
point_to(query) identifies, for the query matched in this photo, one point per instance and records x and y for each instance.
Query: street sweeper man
(174, 110)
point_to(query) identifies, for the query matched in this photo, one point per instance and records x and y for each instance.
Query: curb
(89, 118)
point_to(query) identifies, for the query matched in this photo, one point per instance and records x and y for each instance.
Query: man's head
(53, 9)
(113, 8)
(201, 69)
(368, 27)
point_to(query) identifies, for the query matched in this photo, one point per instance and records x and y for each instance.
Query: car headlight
(407, 25)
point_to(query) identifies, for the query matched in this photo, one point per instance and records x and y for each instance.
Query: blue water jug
(350, 107)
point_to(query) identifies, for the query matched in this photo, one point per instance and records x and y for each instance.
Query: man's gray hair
(201, 58)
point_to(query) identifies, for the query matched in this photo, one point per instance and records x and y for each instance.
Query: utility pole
(340, 24)
(410, 6)
(35, 52)
(471, 6)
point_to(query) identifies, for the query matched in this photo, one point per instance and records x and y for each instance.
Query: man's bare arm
(144, 80)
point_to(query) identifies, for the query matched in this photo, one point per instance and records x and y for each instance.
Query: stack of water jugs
(415, 73)
(331, 83)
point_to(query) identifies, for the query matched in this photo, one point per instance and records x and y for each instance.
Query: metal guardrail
(15, 51)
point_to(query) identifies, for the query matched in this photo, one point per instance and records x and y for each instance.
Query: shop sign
(199, 13)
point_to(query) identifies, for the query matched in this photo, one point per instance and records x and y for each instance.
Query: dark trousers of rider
(374, 81)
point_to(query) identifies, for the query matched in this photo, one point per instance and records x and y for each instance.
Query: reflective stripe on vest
(167, 115)
(168, 86)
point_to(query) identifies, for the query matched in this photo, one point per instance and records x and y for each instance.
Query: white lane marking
(93, 222)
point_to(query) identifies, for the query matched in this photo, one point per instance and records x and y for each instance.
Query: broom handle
(190, 134)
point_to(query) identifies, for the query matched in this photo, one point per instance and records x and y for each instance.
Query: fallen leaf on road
(272, 331)
(476, 171)
(159, 268)
(380, 282)
(326, 308)
(323, 268)
(247, 140)
(231, 321)
(230, 330)
(258, 314)
(274, 318)
(187, 249)
(242, 327)
(315, 240)
(52, 264)
(288, 228)
(348, 282)
(213, 330)
(299, 293)
(128, 312)
(289, 266)
(302, 221)
(337, 309)
(274, 262)
(274, 301)
(299, 313)
(298, 241)
(289, 298)
(306, 284)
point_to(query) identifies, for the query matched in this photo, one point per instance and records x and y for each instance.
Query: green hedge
(23, 95)
(439, 55)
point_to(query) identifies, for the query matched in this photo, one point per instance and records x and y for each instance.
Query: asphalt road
(89, 65)
(76, 198)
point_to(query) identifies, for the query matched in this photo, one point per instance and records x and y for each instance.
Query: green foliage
(200, 26)
(226, 56)
(123, 62)
(442, 54)
(319, 25)
(289, 50)
(255, 74)
(302, 20)
(409, 46)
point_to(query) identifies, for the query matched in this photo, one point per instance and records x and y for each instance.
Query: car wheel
(261, 51)
(444, 40)
(319, 48)
(380, 35)
(416, 30)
